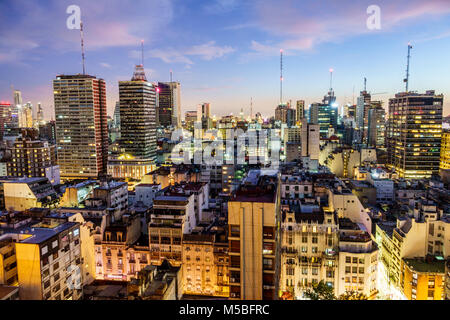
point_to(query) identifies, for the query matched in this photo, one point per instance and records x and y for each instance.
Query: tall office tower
(325, 115)
(376, 125)
(25, 115)
(445, 150)
(169, 104)
(39, 114)
(14, 120)
(414, 134)
(300, 110)
(137, 141)
(362, 114)
(190, 117)
(204, 115)
(116, 117)
(254, 238)
(286, 115)
(310, 140)
(5, 115)
(81, 125)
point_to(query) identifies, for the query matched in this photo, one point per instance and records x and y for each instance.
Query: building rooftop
(41, 232)
(5, 291)
(421, 265)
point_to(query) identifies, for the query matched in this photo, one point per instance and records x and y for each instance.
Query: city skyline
(226, 52)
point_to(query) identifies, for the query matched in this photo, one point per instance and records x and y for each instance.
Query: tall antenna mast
(365, 84)
(251, 108)
(406, 80)
(281, 76)
(331, 80)
(82, 47)
(171, 76)
(142, 52)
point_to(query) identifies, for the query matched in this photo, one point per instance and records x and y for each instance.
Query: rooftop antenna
(251, 107)
(365, 84)
(171, 76)
(82, 47)
(142, 52)
(331, 80)
(281, 76)
(406, 80)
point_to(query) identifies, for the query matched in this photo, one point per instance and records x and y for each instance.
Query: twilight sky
(227, 51)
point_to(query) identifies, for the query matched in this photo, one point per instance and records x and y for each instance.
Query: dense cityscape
(319, 201)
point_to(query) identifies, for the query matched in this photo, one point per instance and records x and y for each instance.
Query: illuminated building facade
(414, 134)
(31, 156)
(325, 115)
(445, 150)
(422, 279)
(254, 239)
(169, 104)
(376, 126)
(205, 263)
(48, 255)
(137, 143)
(81, 125)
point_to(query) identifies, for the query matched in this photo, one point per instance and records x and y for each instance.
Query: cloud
(302, 25)
(32, 25)
(105, 65)
(207, 51)
(221, 6)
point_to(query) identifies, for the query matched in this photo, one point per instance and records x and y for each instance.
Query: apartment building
(423, 279)
(26, 193)
(309, 249)
(254, 237)
(121, 252)
(49, 261)
(205, 262)
(423, 231)
(172, 216)
(358, 260)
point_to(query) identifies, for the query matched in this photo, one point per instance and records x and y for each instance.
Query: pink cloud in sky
(301, 25)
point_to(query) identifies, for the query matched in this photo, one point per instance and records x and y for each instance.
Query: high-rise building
(376, 125)
(26, 115)
(169, 104)
(254, 238)
(300, 110)
(362, 112)
(5, 115)
(414, 134)
(285, 114)
(137, 141)
(204, 115)
(39, 114)
(81, 125)
(32, 157)
(310, 140)
(445, 150)
(325, 115)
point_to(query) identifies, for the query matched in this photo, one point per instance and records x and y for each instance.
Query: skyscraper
(25, 114)
(376, 125)
(39, 114)
(325, 115)
(414, 134)
(300, 110)
(169, 104)
(362, 115)
(137, 143)
(81, 125)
